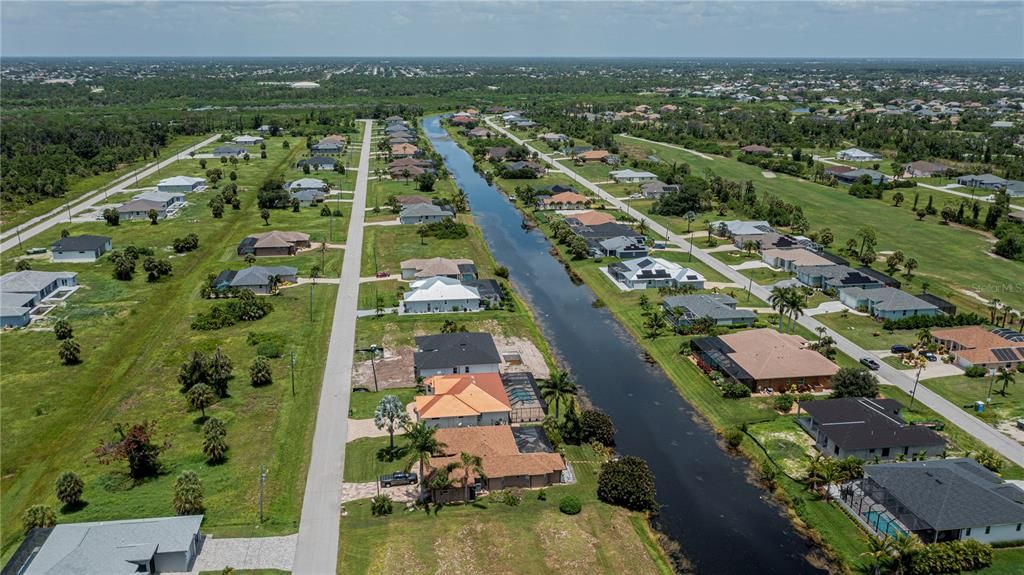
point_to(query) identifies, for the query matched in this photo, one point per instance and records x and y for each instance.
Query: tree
(69, 351)
(655, 323)
(894, 261)
(202, 163)
(1005, 378)
(597, 426)
(571, 428)
(924, 336)
(265, 214)
(779, 301)
(826, 238)
(903, 548)
(469, 464)
(557, 387)
(216, 205)
(795, 301)
(156, 269)
(136, 445)
(38, 516)
(295, 204)
(578, 248)
(422, 443)
(62, 329)
(200, 397)
(425, 182)
(23, 266)
(909, 267)
(877, 553)
(215, 444)
(390, 414)
(260, 372)
(898, 199)
(988, 458)
(854, 382)
(627, 482)
(153, 216)
(219, 372)
(920, 214)
(69, 487)
(188, 494)
(381, 505)
(124, 265)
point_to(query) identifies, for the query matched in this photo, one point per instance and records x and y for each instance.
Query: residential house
(857, 155)
(647, 272)
(866, 428)
(479, 133)
(84, 248)
(180, 185)
(497, 153)
(632, 176)
(552, 138)
(439, 295)
(453, 353)
(757, 150)
(274, 243)
(836, 171)
(489, 290)
(522, 165)
(656, 189)
(505, 465)
(308, 191)
(463, 400)
(336, 138)
(404, 150)
(406, 172)
(789, 259)
(247, 140)
(1014, 188)
(317, 163)
(564, 201)
(407, 162)
(985, 181)
(886, 302)
(21, 292)
(684, 310)
(621, 247)
(775, 240)
(589, 218)
(922, 169)
(938, 500)
(424, 214)
(457, 269)
(256, 278)
(327, 149)
(885, 279)
(974, 345)
(765, 359)
(835, 277)
(125, 547)
(597, 232)
(732, 228)
(411, 200)
(854, 176)
(593, 156)
(138, 209)
(229, 151)
(524, 396)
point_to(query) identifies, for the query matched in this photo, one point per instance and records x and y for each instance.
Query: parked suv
(398, 478)
(898, 348)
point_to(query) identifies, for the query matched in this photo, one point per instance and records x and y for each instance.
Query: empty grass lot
(962, 263)
(365, 402)
(867, 332)
(134, 336)
(390, 245)
(964, 391)
(534, 537)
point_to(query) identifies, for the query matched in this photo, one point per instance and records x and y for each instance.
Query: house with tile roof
(564, 201)
(273, 243)
(589, 218)
(459, 269)
(975, 345)
(765, 359)
(789, 259)
(463, 400)
(865, 428)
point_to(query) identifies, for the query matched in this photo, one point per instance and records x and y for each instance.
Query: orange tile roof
(767, 354)
(567, 198)
(404, 149)
(465, 395)
(593, 218)
(977, 343)
(594, 155)
(497, 447)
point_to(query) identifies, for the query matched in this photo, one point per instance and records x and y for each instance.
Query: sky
(576, 28)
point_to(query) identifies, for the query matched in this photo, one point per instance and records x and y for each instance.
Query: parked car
(382, 274)
(869, 363)
(930, 356)
(898, 348)
(398, 478)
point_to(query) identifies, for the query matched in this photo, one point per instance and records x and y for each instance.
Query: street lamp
(372, 350)
(293, 373)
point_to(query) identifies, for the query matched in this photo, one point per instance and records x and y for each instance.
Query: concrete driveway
(246, 553)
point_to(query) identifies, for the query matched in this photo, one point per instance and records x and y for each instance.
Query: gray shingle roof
(889, 299)
(80, 243)
(260, 275)
(951, 493)
(30, 281)
(450, 349)
(714, 306)
(859, 423)
(424, 210)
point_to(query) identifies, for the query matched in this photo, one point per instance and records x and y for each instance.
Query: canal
(723, 524)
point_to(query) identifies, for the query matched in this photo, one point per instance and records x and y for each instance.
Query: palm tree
(1005, 378)
(423, 444)
(777, 299)
(993, 307)
(924, 336)
(830, 473)
(749, 246)
(560, 385)
(878, 553)
(1006, 313)
(469, 464)
(641, 227)
(903, 547)
(814, 467)
(795, 304)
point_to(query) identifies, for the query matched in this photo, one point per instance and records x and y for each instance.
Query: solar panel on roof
(1005, 354)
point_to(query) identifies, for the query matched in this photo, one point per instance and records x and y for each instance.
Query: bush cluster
(247, 307)
(943, 320)
(627, 482)
(570, 505)
(951, 557)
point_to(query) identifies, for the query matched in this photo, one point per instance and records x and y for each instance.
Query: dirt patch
(397, 556)
(531, 357)
(566, 547)
(394, 369)
(1010, 428)
(459, 558)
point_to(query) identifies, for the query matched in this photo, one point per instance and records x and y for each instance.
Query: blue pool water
(883, 524)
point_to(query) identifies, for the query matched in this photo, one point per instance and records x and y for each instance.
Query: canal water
(723, 524)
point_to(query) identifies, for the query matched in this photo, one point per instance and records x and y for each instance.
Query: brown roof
(497, 447)
(839, 169)
(276, 239)
(799, 257)
(593, 218)
(594, 155)
(430, 267)
(404, 162)
(566, 198)
(977, 342)
(463, 395)
(413, 170)
(334, 139)
(767, 354)
(404, 149)
(756, 149)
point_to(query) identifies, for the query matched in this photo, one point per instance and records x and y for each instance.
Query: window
(467, 369)
(988, 530)
(455, 369)
(968, 534)
(1018, 526)
(885, 452)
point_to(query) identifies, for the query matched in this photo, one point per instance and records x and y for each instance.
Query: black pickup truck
(398, 478)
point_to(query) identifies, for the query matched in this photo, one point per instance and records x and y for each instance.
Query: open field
(964, 391)
(134, 335)
(365, 402)
(535, 536)
(867, 332)
(897, 228)
(386, 247)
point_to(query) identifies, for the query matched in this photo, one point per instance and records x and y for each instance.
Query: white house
(440, 294)
(423, 214)
(648, 272)
(857, 155)
(180, 184)
(247, 140)
(632, 176)
(21, 291)
(453, 353)
(84, 248)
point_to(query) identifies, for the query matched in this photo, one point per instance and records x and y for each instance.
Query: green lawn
(866, 332)
(365, 402)
(964, 391)
(534, 536)
(78, 186)
(897, 228)
(363, 464)
(765, 276)
(1005, 562)
(134, 336)
(593, 171)
(385, 247)
(387, 289)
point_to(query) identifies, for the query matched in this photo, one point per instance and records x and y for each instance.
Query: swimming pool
(883, 524)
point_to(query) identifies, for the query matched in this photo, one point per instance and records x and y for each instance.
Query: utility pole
(263, 481)
(991, 382)
(17, 230)
(311, 300)
(913, 394)
(292, 370)
(750, 284)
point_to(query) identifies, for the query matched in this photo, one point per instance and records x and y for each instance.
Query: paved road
(40, 224)
(316, 552)
(982, 431)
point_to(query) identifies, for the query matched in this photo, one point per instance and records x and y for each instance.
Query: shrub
(215, 444)
(69, 487)
(542, 495)
(260, 372)
(942, 320)
(247, 307)
(627, 482)
(62, 329)
(508, 497)
(734, 438)
(733, 390)
(381, 505)
(975, 371)
(188, 494)
(570, 505)
(783, 403)
(597, 426)
(501, 272)
(40, 516)
(854, 382)
(186, 244)
(951, 557)
(447, 230)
